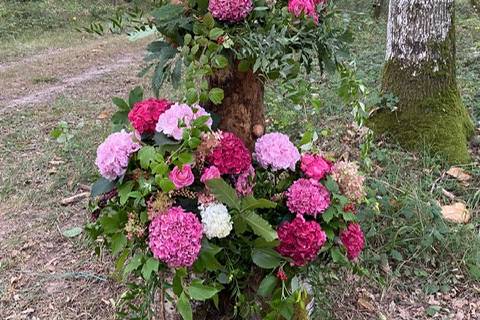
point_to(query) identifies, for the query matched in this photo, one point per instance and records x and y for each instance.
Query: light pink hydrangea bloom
(276, 150)
(230, 10)
(349, 180)
(180, 116)
(307, 196)
(114, 153)
(175, 237)
(245, 182)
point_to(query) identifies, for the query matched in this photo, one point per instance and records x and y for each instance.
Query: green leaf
(327, 216)
(348, 216)
(166, 185)
(216, 95)
(260, 226)
(101, 186)
(201, 292)
(250, 203)
(337, 256)
(219, 62)
(121, 104)
(184, 307)
(287, 309)
(146, 156)
(185, 158)
(162, 140)
(244, 66)
(73, 232)
(267, 285)
(224, 193)
(151, 265)
(134, 263)
(215, 33)
(118, 243)
(124, 191)
(177, 285)
(266, 258)
(136, 95)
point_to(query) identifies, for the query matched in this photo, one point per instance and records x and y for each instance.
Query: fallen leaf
(456, 212)
(459, 174)
(366, 304)
(73, 232)
(103, 115)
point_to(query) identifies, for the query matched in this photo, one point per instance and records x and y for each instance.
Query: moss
(440, 123)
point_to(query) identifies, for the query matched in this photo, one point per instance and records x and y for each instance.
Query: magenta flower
(114, 154)
(307, 7)
(209, 174)
(175, 237)
(230, 10)
(307, 196)
(353, 240)
(144, 115)
(276, 150)
(182, 177)
(315, 166)
(245, 182)
(231, 156)
(300, 240)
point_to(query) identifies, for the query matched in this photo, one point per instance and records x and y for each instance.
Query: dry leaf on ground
(456, 212)
(459, 174)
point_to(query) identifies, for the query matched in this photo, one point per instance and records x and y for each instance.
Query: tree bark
(242, 110)
(420, 71)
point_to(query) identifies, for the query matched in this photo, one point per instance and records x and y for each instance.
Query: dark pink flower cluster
(144, 115)
(315, 166)
(231, 156)
(230, 10)
(300, 240)
(307, 196)
(307, 7)
(175, 237)
(353, 240)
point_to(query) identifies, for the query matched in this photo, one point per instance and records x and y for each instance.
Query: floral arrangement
(192, 214)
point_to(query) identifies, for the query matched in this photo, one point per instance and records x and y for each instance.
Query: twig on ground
(75, 198)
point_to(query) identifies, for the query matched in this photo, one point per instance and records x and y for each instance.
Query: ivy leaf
(101, 186)
(184, 307)
(266, 258)
(151, 265)
(216, 95)
(224, 193)
(260, 226)
(201, 292)
(267, 285)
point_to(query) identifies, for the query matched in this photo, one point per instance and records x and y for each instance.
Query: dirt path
(41, 78)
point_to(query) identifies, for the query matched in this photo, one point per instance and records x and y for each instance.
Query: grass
(411, 251)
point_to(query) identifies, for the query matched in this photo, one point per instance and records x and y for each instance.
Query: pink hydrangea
(349, 180)
(315, 166)
(307, 7)
(353, 240)
(307, 196)
(175, 237)
(230, 10)
(209, 174)
(276, 150)
(114, 153)
(178, 117)
(300, 240)
(182, 177)
(231, 156)
(245, 182)
(144, 115)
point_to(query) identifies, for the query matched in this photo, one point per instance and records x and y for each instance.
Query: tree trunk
(420, 71)
(241, 111)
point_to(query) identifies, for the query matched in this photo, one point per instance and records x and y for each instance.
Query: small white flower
(216, 221)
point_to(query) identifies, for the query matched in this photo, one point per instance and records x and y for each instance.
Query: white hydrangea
(216, 221)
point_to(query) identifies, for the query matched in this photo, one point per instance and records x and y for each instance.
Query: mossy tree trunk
(242, 110)
(420, 71)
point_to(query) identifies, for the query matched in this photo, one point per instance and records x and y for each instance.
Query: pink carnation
(315, 166)
(300, 240)
(245, 182)
(353, 240)
(209, 174)
(114, 153)
(230, 10)
(180, 116)
(307, 196)
(349, 180)
(144, 115)
(175, 237)
(231, 156)
(307, 7)
(276, 150)
(182, 177)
